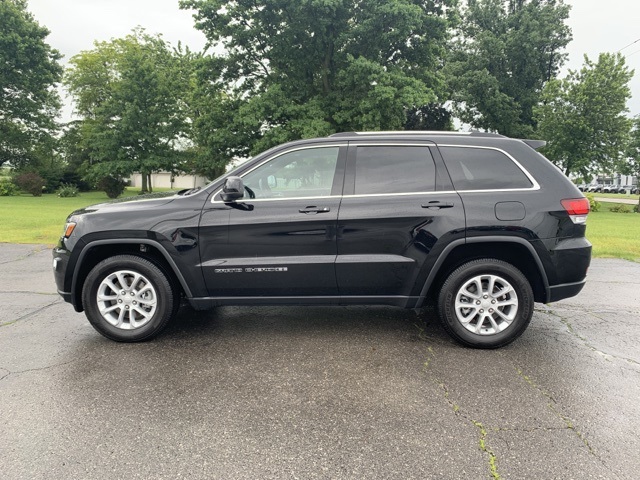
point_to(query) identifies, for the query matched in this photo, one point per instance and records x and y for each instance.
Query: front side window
(307, 172)
(394, 169)
(483, 169)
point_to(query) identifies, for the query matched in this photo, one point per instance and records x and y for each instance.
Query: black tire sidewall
(164, 292)
(446, 303)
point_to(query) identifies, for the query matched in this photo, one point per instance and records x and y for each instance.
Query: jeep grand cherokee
(480, 224)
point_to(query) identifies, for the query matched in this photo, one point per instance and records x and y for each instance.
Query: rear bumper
(566, 290)
(570, 259)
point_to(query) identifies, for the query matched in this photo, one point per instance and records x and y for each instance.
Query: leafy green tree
(583, 117)
(504, 54)
(29, 71)
(133, 96)
(632, 164)
(302, 68)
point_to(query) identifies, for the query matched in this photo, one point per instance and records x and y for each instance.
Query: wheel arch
(97, 250)
(514, 250)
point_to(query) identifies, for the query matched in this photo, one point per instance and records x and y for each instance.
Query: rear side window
(482, 169)
(394, 169)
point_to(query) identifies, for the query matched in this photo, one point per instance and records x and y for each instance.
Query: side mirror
(233, 189)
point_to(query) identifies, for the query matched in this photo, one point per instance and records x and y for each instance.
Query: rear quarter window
(483, 169)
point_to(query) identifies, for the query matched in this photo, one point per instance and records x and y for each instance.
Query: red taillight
(576, 206)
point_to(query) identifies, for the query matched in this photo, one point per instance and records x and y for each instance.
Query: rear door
(398, 206)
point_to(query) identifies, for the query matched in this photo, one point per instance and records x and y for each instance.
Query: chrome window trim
(412, 132)
(425, 144)
(536, 185)
(268, 159)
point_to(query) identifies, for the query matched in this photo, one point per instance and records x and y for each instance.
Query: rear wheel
(128, 298)
(486, 303)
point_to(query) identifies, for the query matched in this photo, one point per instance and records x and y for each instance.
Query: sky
(75, 24)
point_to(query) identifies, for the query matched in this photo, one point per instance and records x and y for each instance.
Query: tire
(491, 320)
(129, 299)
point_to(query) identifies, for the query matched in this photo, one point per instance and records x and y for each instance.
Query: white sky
(75, 24)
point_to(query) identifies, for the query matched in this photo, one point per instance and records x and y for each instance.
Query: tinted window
(302, 173)
(482, 169)
(394, 169)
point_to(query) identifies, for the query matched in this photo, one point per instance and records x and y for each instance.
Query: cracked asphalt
(318, 392)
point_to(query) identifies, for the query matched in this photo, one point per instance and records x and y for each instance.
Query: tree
(506, 51)
(28, 74)
(632, 164)
(583, 119)
(133, 95)
(302, 68)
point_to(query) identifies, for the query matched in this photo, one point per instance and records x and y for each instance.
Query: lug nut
(493, 301)
(123, 292)
(132, 294)
(481, 311)
(486, 296)
(119, 300)
(126, 307)
(478, 302)
(135, 303)
(491, 310)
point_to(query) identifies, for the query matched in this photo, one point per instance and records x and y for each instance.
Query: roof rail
(418, 132)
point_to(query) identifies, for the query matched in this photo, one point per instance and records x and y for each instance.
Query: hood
(138, 202)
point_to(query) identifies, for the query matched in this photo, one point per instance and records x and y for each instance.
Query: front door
(281, 238)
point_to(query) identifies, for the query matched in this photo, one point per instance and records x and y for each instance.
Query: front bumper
(60, 263)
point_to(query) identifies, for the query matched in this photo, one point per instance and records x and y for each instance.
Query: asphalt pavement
(331, 392)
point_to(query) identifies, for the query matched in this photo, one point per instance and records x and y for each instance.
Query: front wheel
(486, 303)
(128, 298)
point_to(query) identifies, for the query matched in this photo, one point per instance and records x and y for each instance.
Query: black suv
(480, 224)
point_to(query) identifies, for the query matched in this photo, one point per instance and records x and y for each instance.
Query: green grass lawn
(28, 219)
(614, 235)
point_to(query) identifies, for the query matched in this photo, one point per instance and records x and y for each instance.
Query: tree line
(280, 70)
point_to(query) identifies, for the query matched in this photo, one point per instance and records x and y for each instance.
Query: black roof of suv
(480, 224)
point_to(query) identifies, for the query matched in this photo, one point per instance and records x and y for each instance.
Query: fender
(484, 239)
(138, 241)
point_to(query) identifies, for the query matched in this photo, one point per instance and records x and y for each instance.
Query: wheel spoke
(109, 309)
(493, 323)
(503, 292)
(492, 284)
(109, 283)
(120, 319)
(107, 298)
(469, 294)
(122, 280)
(506, 303)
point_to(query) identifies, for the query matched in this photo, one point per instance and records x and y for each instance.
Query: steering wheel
(251, 193)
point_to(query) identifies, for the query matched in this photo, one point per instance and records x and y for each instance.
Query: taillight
(577, 208)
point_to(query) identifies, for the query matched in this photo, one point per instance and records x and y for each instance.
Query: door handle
(437, 205)
(314, 209)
